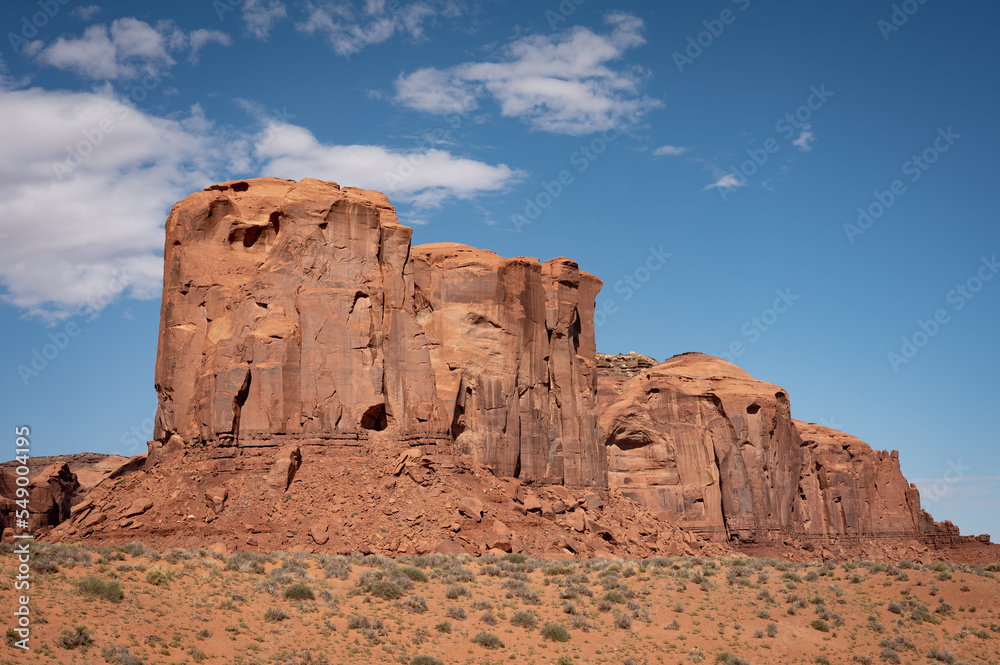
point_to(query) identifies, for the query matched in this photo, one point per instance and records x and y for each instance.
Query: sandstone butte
(325, 385)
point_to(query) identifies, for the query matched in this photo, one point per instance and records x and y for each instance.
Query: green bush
(91, 585)
(444, 627)
(487, 640)
(385, 589)
(820, 625)
(425, 660)
(416, 575)
(726, 658)
(615, 596)
(299, 591)
(157, 576)
(555, 632)
(564, 660)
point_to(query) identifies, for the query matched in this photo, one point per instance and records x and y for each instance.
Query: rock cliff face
(297, 313)
(307, 350)
(718, 451)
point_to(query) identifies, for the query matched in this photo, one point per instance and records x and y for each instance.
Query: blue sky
(742, 139)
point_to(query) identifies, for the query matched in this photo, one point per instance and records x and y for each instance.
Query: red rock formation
(49, 495)
(718, 451)
(298, 313)
(704, 441)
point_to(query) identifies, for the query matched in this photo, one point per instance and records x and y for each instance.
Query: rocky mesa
(324, 384)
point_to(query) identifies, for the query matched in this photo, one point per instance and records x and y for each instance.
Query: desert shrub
(875, 625)
(299, 591)
(336, 566)
(456, 612)
(812, 576)
(792, 577)
(615, 596)
(385, 589)
(443, 627)
(524, 619)
(759, 633)
(763, 613)
(820, 625)
(623, 621)
(274, 614)
(456, 591)
(895, 608)
(157, 576)
(415, 604)
(425, 660)
(862, 660)
(487, 640)
(247, 562)
(726, 658)
(119, 655)
(557, 569)
(564, 660)
(415, 574)
(941, 656)
(73, 638)
(890, 655)
(488, 618)
(772, 629)
(944, 609)
(109, 590)
(555, 632)
(899, 643)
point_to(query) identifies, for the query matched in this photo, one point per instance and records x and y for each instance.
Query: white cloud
(561, 83)
(85, 13)
(670, 150)
(128, 49)
(86, 182)
(201, 37)
(262, 15)
(805, 139)
(727, 181)
(350, 28)
(421, 177)
(93, 225)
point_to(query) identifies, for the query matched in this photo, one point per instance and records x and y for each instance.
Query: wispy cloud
(562, 83)
(670, 151)
(805, 139)
(727, 181)
(86, 13)
(261, 16)
(126, 49)
(351, 28)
